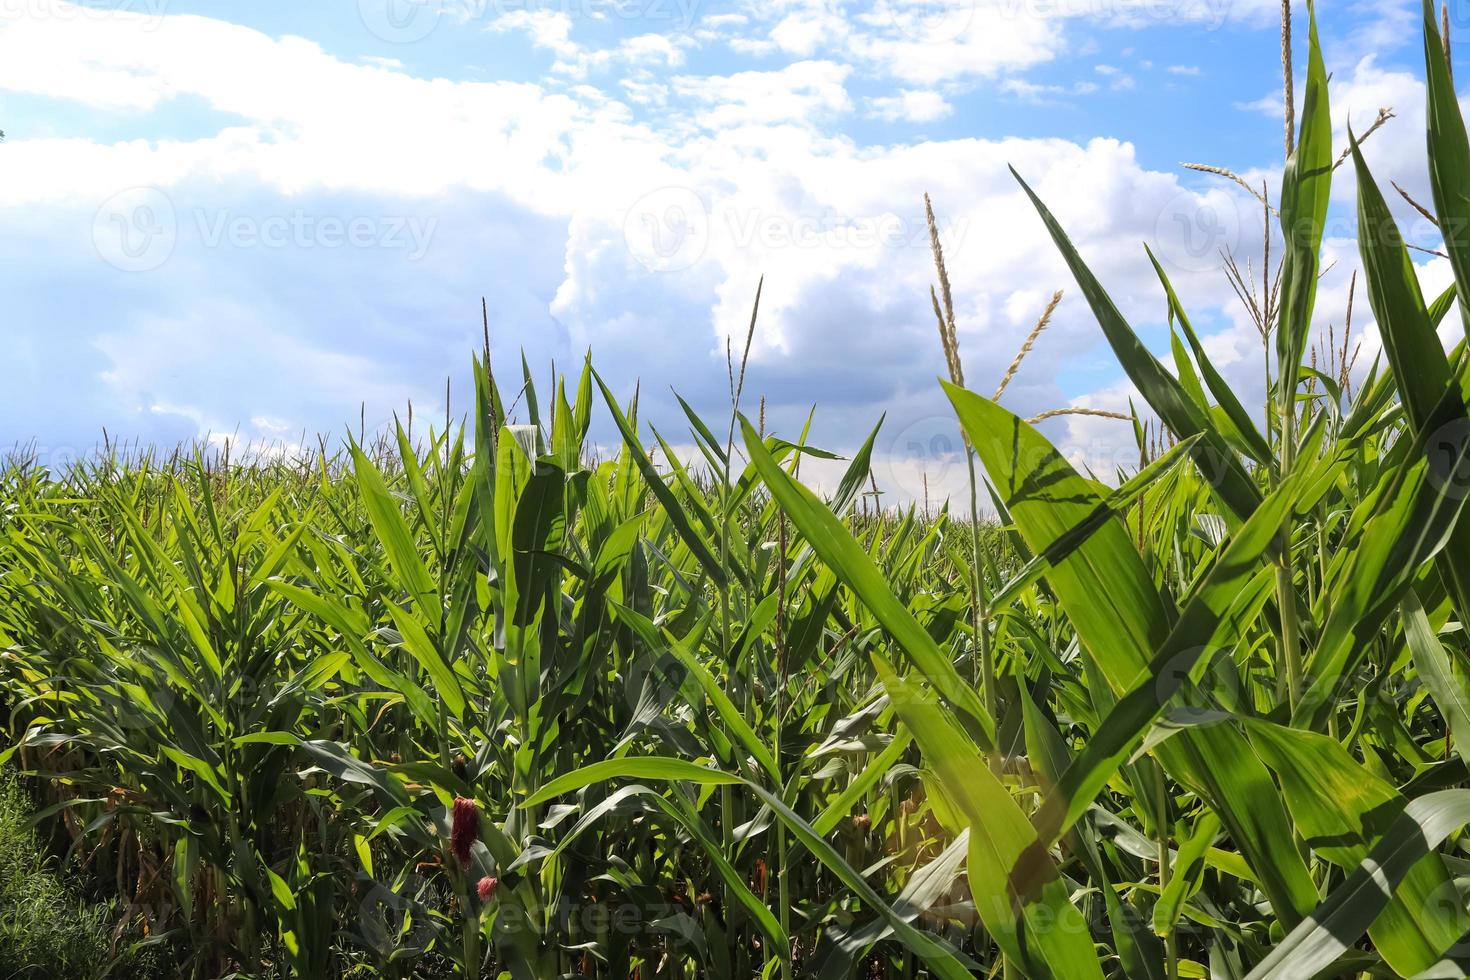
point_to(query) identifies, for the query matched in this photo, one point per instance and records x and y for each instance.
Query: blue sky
(257, 220)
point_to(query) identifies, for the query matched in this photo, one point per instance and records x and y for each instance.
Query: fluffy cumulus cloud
(912, 105)
(309, 252)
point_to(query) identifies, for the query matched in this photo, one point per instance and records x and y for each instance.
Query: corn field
(479, 703)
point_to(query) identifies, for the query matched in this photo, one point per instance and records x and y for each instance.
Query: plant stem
(1161, 821)
(1285, 570)
(980, 606)
(980, 621)
(783, 885)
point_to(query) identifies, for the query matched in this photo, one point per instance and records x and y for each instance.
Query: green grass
(483, 701)
(46, 929)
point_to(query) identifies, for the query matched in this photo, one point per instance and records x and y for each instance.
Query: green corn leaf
(1239, 429)
(672, 508)
(414, 473)
(1185, 875)
(1341, 810)
(1305, 189)
(702, 430)
(675, 770)
(1113, 506)
(392, 531)
(939, 959)
(1018, 893)
(1141, 952)
(841, 808)
(1188, 377)
(724, 707)
(1122, 621)
(1226, 603)
(421, 647)
(1400, 526)
(1421, 370)
(927, 887)
(1449, 159)
(1438, 673)
(332, 612)
(1352, 907)
(1164, 393)
(837, 548)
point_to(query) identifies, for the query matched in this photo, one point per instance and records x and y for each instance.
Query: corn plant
(496, 700)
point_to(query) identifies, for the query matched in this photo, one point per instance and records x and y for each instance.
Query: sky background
(258, 221)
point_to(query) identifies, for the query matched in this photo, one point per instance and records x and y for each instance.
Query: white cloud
(910, 105)
(717, 21)
(1039, 94)
(912, 42)
(1266, 105)
(804, 33)
(549, 29)
(795, 93)
(1118, 79)
(561, 181)
(645, 91)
